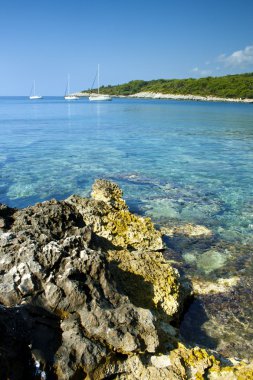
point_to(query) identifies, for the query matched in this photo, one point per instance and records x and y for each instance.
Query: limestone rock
(110, 219)
(181, 363)
(71, 310)
(139, 275)
(108, 192)
(46, 261)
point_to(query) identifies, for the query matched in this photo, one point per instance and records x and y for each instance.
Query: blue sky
(130, 39)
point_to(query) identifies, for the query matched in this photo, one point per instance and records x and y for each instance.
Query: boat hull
(100, 98)
(35, 97)
(73, 97)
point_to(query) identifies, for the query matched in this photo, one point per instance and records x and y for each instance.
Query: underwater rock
(187, 230)
(221, 285)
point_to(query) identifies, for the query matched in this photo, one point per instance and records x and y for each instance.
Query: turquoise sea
(176, 161)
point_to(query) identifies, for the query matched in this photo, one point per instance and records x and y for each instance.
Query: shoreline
(157, 95)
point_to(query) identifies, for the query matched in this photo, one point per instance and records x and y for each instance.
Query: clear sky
(130, 39)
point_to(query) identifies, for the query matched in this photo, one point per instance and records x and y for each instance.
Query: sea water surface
(176, 161)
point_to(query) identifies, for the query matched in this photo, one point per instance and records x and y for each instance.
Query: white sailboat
(33, 95)
(68, 96)
(98, 96)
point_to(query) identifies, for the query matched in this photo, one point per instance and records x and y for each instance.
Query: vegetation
(229, 86)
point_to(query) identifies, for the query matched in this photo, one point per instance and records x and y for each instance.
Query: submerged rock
(187, 230)
(85, 295)
(222, 285)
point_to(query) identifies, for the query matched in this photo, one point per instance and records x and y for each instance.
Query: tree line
(229, 86)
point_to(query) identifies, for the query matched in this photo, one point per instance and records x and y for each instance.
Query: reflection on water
(177, 161)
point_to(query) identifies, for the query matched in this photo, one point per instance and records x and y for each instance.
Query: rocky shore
(154, 95)
(87, 294)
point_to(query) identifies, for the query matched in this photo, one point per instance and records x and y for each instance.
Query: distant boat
(33, 95)
(98, 96)
(68, 96)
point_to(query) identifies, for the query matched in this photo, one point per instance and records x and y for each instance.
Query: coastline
(155, 95)
(158, 95)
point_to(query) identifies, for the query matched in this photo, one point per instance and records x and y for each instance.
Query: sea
(178, 162)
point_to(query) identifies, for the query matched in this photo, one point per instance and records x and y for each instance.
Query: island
(229, 88)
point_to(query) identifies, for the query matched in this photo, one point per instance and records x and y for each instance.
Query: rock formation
(86, 294)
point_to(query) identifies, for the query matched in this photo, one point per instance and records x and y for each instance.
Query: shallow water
(177, 161)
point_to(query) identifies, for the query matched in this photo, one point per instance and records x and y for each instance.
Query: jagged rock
(180, 363)
(139, 276)
(84, 313)
(108, 192)
(109, 217)
(46, 261)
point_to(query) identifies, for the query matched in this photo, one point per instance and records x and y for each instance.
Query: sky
(45, 40)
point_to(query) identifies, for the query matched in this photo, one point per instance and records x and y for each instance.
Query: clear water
(177, 161)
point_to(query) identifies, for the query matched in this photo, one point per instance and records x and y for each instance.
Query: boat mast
(34, 87)
(98, 78)
(68, 85)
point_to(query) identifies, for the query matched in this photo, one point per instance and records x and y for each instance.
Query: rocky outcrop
(86, 295)
(108, 216)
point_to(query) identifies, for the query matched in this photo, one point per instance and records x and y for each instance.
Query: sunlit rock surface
(110, 219)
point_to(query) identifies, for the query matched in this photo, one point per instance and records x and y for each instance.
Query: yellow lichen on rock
(180, 364)
(109, 217)
(108, 192)
(131, 231)
(196, 361)
(149, 280)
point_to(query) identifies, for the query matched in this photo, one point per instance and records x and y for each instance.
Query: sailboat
(33, 95)
(98, 96)
(68, 96)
